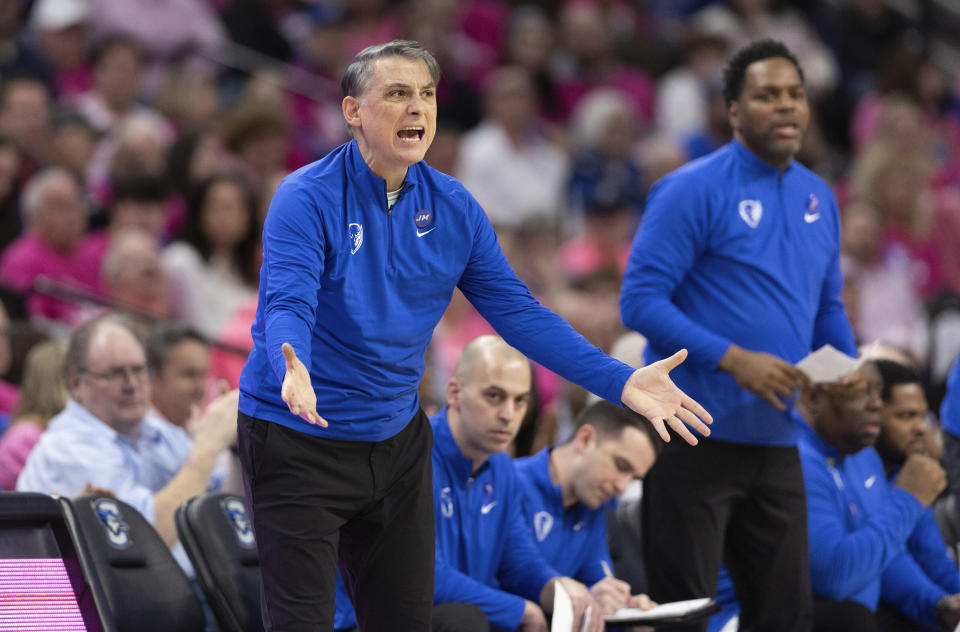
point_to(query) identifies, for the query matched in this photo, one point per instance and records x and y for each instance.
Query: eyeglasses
(117, 374)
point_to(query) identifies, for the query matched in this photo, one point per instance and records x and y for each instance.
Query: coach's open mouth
(411, 133)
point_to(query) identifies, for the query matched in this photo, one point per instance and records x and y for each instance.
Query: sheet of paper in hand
(562, 620)
(690, 609)
(828, 364)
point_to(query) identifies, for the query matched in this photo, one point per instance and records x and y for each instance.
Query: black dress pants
(742, 504)
(366, 506)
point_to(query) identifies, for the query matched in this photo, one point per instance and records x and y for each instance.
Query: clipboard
(686, 611)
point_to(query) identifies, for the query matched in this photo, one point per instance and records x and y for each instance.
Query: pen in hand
(606, 568)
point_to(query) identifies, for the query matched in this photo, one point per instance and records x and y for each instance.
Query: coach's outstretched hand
(652, 393)
(297, 391)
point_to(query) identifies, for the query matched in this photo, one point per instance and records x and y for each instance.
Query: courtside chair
(218, 537)
(144, 589)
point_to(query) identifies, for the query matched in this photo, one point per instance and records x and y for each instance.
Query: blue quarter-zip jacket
(357, 289)
(950, 408)
(863, 533)
(485, 551)
(731, 251)
(574, 540)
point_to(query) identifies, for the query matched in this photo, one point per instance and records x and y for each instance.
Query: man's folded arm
(905, 586)
(842, 563)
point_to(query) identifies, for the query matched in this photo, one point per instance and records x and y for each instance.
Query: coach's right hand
(297, 391)
(763, 374)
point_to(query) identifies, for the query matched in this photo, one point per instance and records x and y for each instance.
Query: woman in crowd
(42, 396)
(212, 268)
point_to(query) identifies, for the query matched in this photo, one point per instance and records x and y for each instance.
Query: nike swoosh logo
(870, 481)
(811, 217)
(485, 509)
(426, 232)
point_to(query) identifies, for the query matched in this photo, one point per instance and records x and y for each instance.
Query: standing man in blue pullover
(567, 488)
(870, 539)
(361, 253)
(737, 259)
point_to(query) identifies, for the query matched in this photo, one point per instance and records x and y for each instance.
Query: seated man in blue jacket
(486, 554)
(904, 432)
(566, 488)
(862, 526)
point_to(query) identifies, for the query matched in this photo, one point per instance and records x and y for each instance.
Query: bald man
(488, 568)
(486, 555)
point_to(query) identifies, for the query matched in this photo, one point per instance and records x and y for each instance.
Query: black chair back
(144, 588)
(218, 538)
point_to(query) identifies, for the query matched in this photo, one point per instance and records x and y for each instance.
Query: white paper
(827, 364)
(562, 610)
(672, 609)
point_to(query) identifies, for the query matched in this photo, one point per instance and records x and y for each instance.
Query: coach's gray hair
(357, 77)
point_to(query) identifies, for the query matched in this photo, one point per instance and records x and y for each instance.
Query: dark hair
(78, 347)
(611, 420)
(163, 337)
(356, 78)
(65, 117)
(249, 122)
(117, 40)
(140, 187)
(895, 374)
(179, 157)
(244, 251)
(756, 51)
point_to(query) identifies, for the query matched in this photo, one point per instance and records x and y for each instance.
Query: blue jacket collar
(813, 440)
(753, 162)
(367, 179)
(541, 470)
(448, 450)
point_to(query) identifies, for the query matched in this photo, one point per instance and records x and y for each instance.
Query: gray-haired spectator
(55, 216)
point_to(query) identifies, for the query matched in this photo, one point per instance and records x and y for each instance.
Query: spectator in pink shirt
(56, 221)
(42, 397)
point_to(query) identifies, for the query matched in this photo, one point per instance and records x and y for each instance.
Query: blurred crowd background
(141, 141)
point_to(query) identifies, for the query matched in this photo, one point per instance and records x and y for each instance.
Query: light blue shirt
(78, 448)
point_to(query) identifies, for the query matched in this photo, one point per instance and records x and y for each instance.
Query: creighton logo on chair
(116, 529)
(236, 513)
(751, 211)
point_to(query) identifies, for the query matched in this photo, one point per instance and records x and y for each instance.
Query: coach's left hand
(652, 393)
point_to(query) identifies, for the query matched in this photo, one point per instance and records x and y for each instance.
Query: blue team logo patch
(236, 513)
(542, 524)
(355, 232)
(446, 503)
(113, 525)
(423, 218)
(751, 211)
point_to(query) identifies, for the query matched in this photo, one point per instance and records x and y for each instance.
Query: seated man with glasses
(104, 438)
